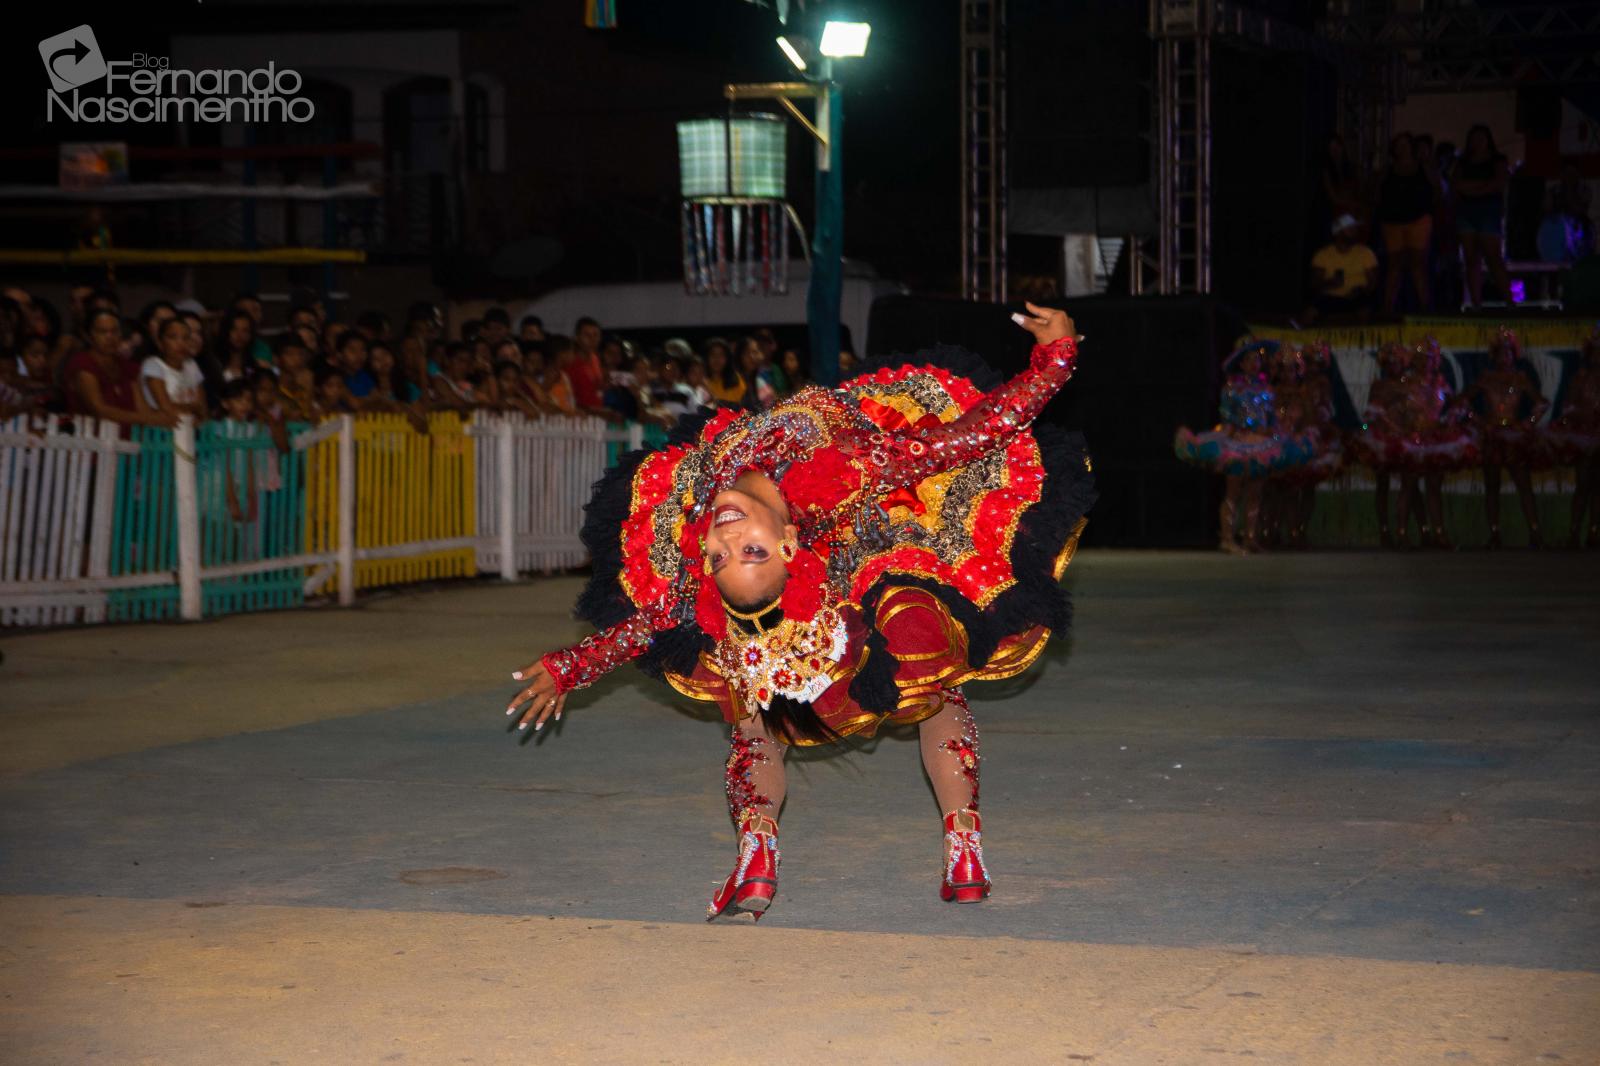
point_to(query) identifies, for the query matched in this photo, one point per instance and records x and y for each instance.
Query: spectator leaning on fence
(352, 363)
(557, 385)
(1343, 273)
(234, 357)
(586, 372)
(333, 398)
(171, 380)
(101, 382)
(28, 385)
(296, 382)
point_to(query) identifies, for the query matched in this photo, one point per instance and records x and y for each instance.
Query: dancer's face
(749, 522)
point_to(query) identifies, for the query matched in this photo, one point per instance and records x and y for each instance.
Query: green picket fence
(144, 528)
(251, 500)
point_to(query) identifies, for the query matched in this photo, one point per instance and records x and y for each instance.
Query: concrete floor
(1297, 809)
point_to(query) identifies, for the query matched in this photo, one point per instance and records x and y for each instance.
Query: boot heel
(755, 895)
(969, 893)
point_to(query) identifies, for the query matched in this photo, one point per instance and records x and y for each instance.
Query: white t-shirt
(183, 386)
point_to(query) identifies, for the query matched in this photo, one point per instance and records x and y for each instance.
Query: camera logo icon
(72, 58)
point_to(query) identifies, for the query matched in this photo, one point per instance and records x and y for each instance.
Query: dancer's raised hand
(1047, 324)
(541, 696)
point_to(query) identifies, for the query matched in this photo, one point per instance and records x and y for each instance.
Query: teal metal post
(827, 243)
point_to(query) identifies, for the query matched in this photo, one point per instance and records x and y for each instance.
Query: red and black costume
(934, 522)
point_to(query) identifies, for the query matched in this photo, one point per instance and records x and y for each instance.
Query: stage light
(794, 55)
(845, 39)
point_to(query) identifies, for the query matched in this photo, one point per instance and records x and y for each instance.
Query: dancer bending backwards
(1508, 406)
(1245, 446)
(849, 557)
(1575, 440)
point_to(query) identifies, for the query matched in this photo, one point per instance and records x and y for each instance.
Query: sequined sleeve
(597, 655)
(906, 457)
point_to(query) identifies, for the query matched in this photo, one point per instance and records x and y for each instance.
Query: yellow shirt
(726, 393)
(1355, 261)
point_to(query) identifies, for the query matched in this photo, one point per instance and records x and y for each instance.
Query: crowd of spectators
(173, 359)
(1426, 232)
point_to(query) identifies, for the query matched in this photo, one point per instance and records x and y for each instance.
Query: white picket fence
(534, 477)
(59, 491)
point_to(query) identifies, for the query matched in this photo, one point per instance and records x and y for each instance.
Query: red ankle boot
(754, 880)
(966, 879)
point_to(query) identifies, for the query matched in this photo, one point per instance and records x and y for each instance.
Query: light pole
(839, 40)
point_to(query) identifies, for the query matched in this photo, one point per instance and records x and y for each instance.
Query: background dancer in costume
(848, 558)
(1377, 444)
(1508, 406)
(1433, 441)
(1243, 447)
(1304, 413)
(1575, 439)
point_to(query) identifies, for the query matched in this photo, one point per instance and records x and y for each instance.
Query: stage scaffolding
(983, 161)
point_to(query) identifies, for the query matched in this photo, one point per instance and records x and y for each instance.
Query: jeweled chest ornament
(789, 659)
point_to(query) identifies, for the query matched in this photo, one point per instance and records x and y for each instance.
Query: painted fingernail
(509, 710)
(522, 725)
(538, 726)
(558, 716)
(516, 675)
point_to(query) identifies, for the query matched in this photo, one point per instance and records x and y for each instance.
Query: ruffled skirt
(1219, 451)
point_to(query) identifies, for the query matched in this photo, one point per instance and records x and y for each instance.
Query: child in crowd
(513, 397)
(557, 386)
(171, 380)
(457, 387)
(28, 378)
(352, 363)
(391, 391)
(668, 393)
(297, 385)
(333, 397)
(237, 400)
(644, 373)
(694, 385)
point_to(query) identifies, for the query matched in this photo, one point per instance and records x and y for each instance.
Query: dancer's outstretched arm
(559, 672)
(904, 458)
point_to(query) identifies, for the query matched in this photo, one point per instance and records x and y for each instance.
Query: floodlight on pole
(843, 40)
(792, 52)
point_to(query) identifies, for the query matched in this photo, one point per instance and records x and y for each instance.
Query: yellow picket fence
(411, 488)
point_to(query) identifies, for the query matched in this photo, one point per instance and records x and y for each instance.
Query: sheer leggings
(756, 780)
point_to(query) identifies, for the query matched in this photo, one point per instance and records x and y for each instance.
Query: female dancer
(1575, 439)
(1508, 406)
(1242, 447)
(1305, 411)
(850, 557)
(1432, 442)
(1377, 444)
